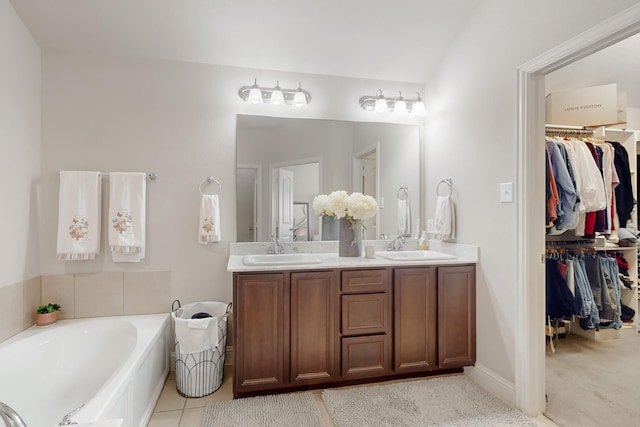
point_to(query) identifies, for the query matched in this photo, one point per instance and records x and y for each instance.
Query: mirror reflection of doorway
(366, 182)
(247, 202)
(297, 183)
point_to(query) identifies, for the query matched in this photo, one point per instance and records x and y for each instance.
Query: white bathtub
(116, 366)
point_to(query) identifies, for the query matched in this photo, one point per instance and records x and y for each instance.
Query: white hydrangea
(354, 206)
(360, 206)
(321, 205)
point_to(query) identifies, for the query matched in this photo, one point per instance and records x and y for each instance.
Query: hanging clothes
(624, 192)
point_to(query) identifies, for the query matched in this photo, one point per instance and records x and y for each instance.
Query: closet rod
(150, 176)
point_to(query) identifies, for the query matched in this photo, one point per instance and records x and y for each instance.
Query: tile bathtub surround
(109, 294)
(59, 288)
(18, 303)
(147, 292)
(99, 294)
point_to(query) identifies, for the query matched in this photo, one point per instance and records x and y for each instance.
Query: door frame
(530, 244)
(257, 198)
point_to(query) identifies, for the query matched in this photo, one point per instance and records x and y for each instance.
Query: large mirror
(283, 163)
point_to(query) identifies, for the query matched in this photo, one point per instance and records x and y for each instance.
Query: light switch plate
(506, 192)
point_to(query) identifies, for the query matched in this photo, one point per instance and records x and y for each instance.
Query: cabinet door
(260, 321)
(365, 356)
(415, 317)
(313, 328)
(456, 316)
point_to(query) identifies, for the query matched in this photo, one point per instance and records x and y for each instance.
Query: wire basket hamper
(201, 373)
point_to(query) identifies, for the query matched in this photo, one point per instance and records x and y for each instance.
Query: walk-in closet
(591, 235)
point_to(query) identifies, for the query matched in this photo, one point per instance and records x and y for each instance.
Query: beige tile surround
(84, 295)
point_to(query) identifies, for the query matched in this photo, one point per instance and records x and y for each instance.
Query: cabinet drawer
(357, 281)
(365, 356)
(365, 314)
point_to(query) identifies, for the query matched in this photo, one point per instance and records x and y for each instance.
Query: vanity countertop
(463, 254)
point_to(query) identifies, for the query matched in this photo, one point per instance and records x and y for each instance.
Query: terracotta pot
(46, 318)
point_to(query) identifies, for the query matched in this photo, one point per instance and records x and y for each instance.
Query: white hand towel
(78, 216)
(209, 227)
(127, 215)
(444, 221)
(193, 338)
(404, 217)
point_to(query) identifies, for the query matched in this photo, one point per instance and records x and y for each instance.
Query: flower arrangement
(355, 206)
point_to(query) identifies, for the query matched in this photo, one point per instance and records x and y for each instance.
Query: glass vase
(330, 228)
(350, 244)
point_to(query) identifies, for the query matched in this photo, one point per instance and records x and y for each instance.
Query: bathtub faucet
(11, 417)
(66, 420)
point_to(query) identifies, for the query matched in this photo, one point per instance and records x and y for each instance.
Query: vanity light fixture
(276, 96)
(397, 105)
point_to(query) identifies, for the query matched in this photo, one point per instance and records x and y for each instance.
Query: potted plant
(47, 314)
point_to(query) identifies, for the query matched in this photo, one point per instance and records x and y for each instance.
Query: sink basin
(414, 255)
(280, 259)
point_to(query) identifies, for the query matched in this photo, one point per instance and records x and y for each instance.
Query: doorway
(530, 296)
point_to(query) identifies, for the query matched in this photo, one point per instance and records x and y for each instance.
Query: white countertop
(464, 254)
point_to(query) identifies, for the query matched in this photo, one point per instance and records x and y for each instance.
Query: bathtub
(116, 366)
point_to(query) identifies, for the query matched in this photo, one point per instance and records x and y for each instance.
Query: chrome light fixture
(397, 105)
(276, 96)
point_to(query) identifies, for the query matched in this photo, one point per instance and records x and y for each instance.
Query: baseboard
(492, 382)
(228, 358)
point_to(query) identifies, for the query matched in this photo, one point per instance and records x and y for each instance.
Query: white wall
(470, 136)
(19, 148)
(175, 119)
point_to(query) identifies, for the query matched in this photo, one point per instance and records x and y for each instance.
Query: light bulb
(400, 107)
(299, 99)
(418, 107)
(381, 103)
(277, 98)
(255, 95)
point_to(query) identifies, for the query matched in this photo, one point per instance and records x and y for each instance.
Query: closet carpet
(594, 383)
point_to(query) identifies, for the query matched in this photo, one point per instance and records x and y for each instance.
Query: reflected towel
(78, 216)
(444, 220)
(127, 215)
(209, 226)
(404, 217)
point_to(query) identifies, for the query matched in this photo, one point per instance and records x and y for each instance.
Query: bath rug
(446, 401)
(278, 410)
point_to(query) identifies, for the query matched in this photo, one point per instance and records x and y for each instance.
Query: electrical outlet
(430, 226)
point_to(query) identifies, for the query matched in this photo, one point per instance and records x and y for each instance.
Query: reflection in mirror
(282, 162)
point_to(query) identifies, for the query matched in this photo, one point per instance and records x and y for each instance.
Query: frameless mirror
(282, 164)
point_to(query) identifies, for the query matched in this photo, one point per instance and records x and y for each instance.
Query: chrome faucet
(396, 244)
(11, 417)
(66, 420)
(275, 247)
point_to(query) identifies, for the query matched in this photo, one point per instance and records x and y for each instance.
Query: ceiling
(619, 63)
(400, 40)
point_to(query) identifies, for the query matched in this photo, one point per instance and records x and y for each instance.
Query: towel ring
(403, 193)
(449, 183)
(210, 180)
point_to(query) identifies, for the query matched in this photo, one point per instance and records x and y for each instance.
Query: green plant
(48, 308)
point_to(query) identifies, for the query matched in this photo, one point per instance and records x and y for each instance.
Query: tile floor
(173, 410)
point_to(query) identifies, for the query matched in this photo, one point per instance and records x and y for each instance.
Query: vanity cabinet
(313, 328)
(415, 306)
(456, 316)
(261, 323)
(434, 318)
(284, 330)
(365, 305)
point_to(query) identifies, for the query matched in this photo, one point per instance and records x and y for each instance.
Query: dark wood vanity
(309, 328)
